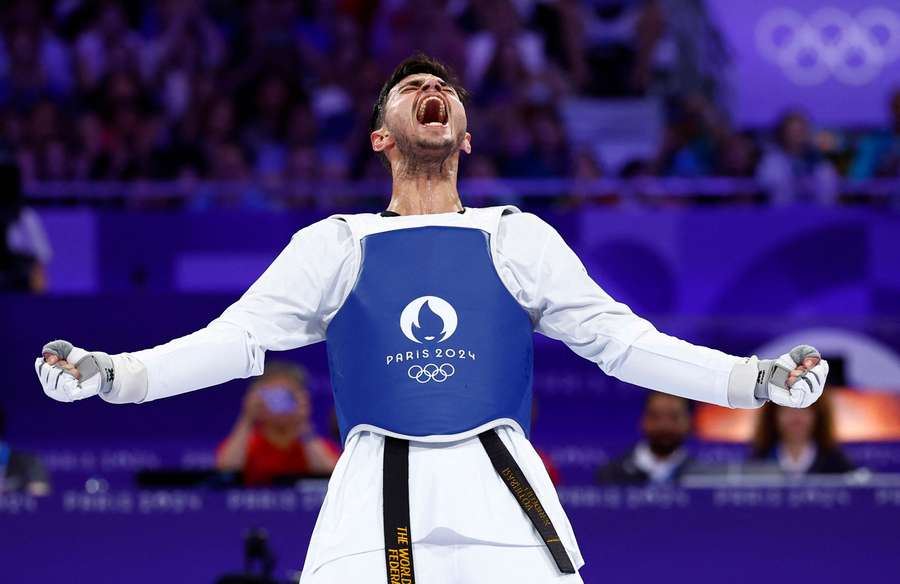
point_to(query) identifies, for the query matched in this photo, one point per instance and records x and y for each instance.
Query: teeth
(443, 110)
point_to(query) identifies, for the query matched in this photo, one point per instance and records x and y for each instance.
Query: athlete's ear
(381, 139)
(466, 145)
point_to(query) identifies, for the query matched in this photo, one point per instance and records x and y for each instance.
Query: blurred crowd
(279, 92)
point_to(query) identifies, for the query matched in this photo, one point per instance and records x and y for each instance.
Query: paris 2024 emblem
(429, 322)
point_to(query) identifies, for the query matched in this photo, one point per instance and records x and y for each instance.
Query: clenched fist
(68, 373)
(795, 379)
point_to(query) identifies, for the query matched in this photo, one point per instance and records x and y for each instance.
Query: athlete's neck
(425, 190)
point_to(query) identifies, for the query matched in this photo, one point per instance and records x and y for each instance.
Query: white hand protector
(96, 369)
(771, 380)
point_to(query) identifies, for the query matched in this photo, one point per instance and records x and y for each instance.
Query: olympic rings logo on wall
(830, 43)
(431, 372)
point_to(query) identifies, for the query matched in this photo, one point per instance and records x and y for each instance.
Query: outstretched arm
(550, 281)
(287, 307)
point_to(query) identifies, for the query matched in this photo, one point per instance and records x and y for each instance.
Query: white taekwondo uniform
(465, 524)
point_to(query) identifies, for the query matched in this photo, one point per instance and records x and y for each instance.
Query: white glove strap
(94, 363)
(742, 382)
(131, 382)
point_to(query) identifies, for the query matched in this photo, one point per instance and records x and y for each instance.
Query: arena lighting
(860, 415)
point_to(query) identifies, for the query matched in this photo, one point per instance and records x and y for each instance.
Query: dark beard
(664, 445)
(421, 158)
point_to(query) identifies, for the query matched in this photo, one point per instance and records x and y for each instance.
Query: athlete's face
(424, 119)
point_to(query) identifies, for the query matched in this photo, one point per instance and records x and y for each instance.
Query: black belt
(397, 536)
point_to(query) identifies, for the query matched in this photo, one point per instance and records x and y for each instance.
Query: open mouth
(432, 111)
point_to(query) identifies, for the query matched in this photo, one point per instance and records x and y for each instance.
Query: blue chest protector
(429, 341)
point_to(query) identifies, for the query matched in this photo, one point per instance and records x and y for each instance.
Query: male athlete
(428, 309)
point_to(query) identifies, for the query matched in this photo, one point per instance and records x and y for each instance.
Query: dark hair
(689, 405)
(784, 120)
(766, 436)
(417, 63)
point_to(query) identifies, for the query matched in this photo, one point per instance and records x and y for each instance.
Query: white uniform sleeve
(288, 307)
(551, 283)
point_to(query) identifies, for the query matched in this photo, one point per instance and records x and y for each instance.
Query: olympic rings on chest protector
(431, 372)
(830, 42)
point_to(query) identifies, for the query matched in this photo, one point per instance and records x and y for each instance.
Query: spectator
(26, 249)
(44, 135)
(792, 169)
(799, 441)
(274, 434)
(737, 155)
(505, 61)
(551, 142)
(660, 456)
(232, 187)
(608, 32)
(586, 169)
(108, 46)
(560, 23)
(403, 27)
(188, 43)
(690, 143)
(33, 61)
(301, 171)
(517, 153)
(878, 153)
(20, 471)
(680, 49)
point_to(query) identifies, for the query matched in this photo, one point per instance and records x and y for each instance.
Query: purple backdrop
(816, 55)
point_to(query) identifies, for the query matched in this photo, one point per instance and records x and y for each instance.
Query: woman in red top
(274, 434)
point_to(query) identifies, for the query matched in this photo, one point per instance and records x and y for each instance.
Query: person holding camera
(274, 435)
